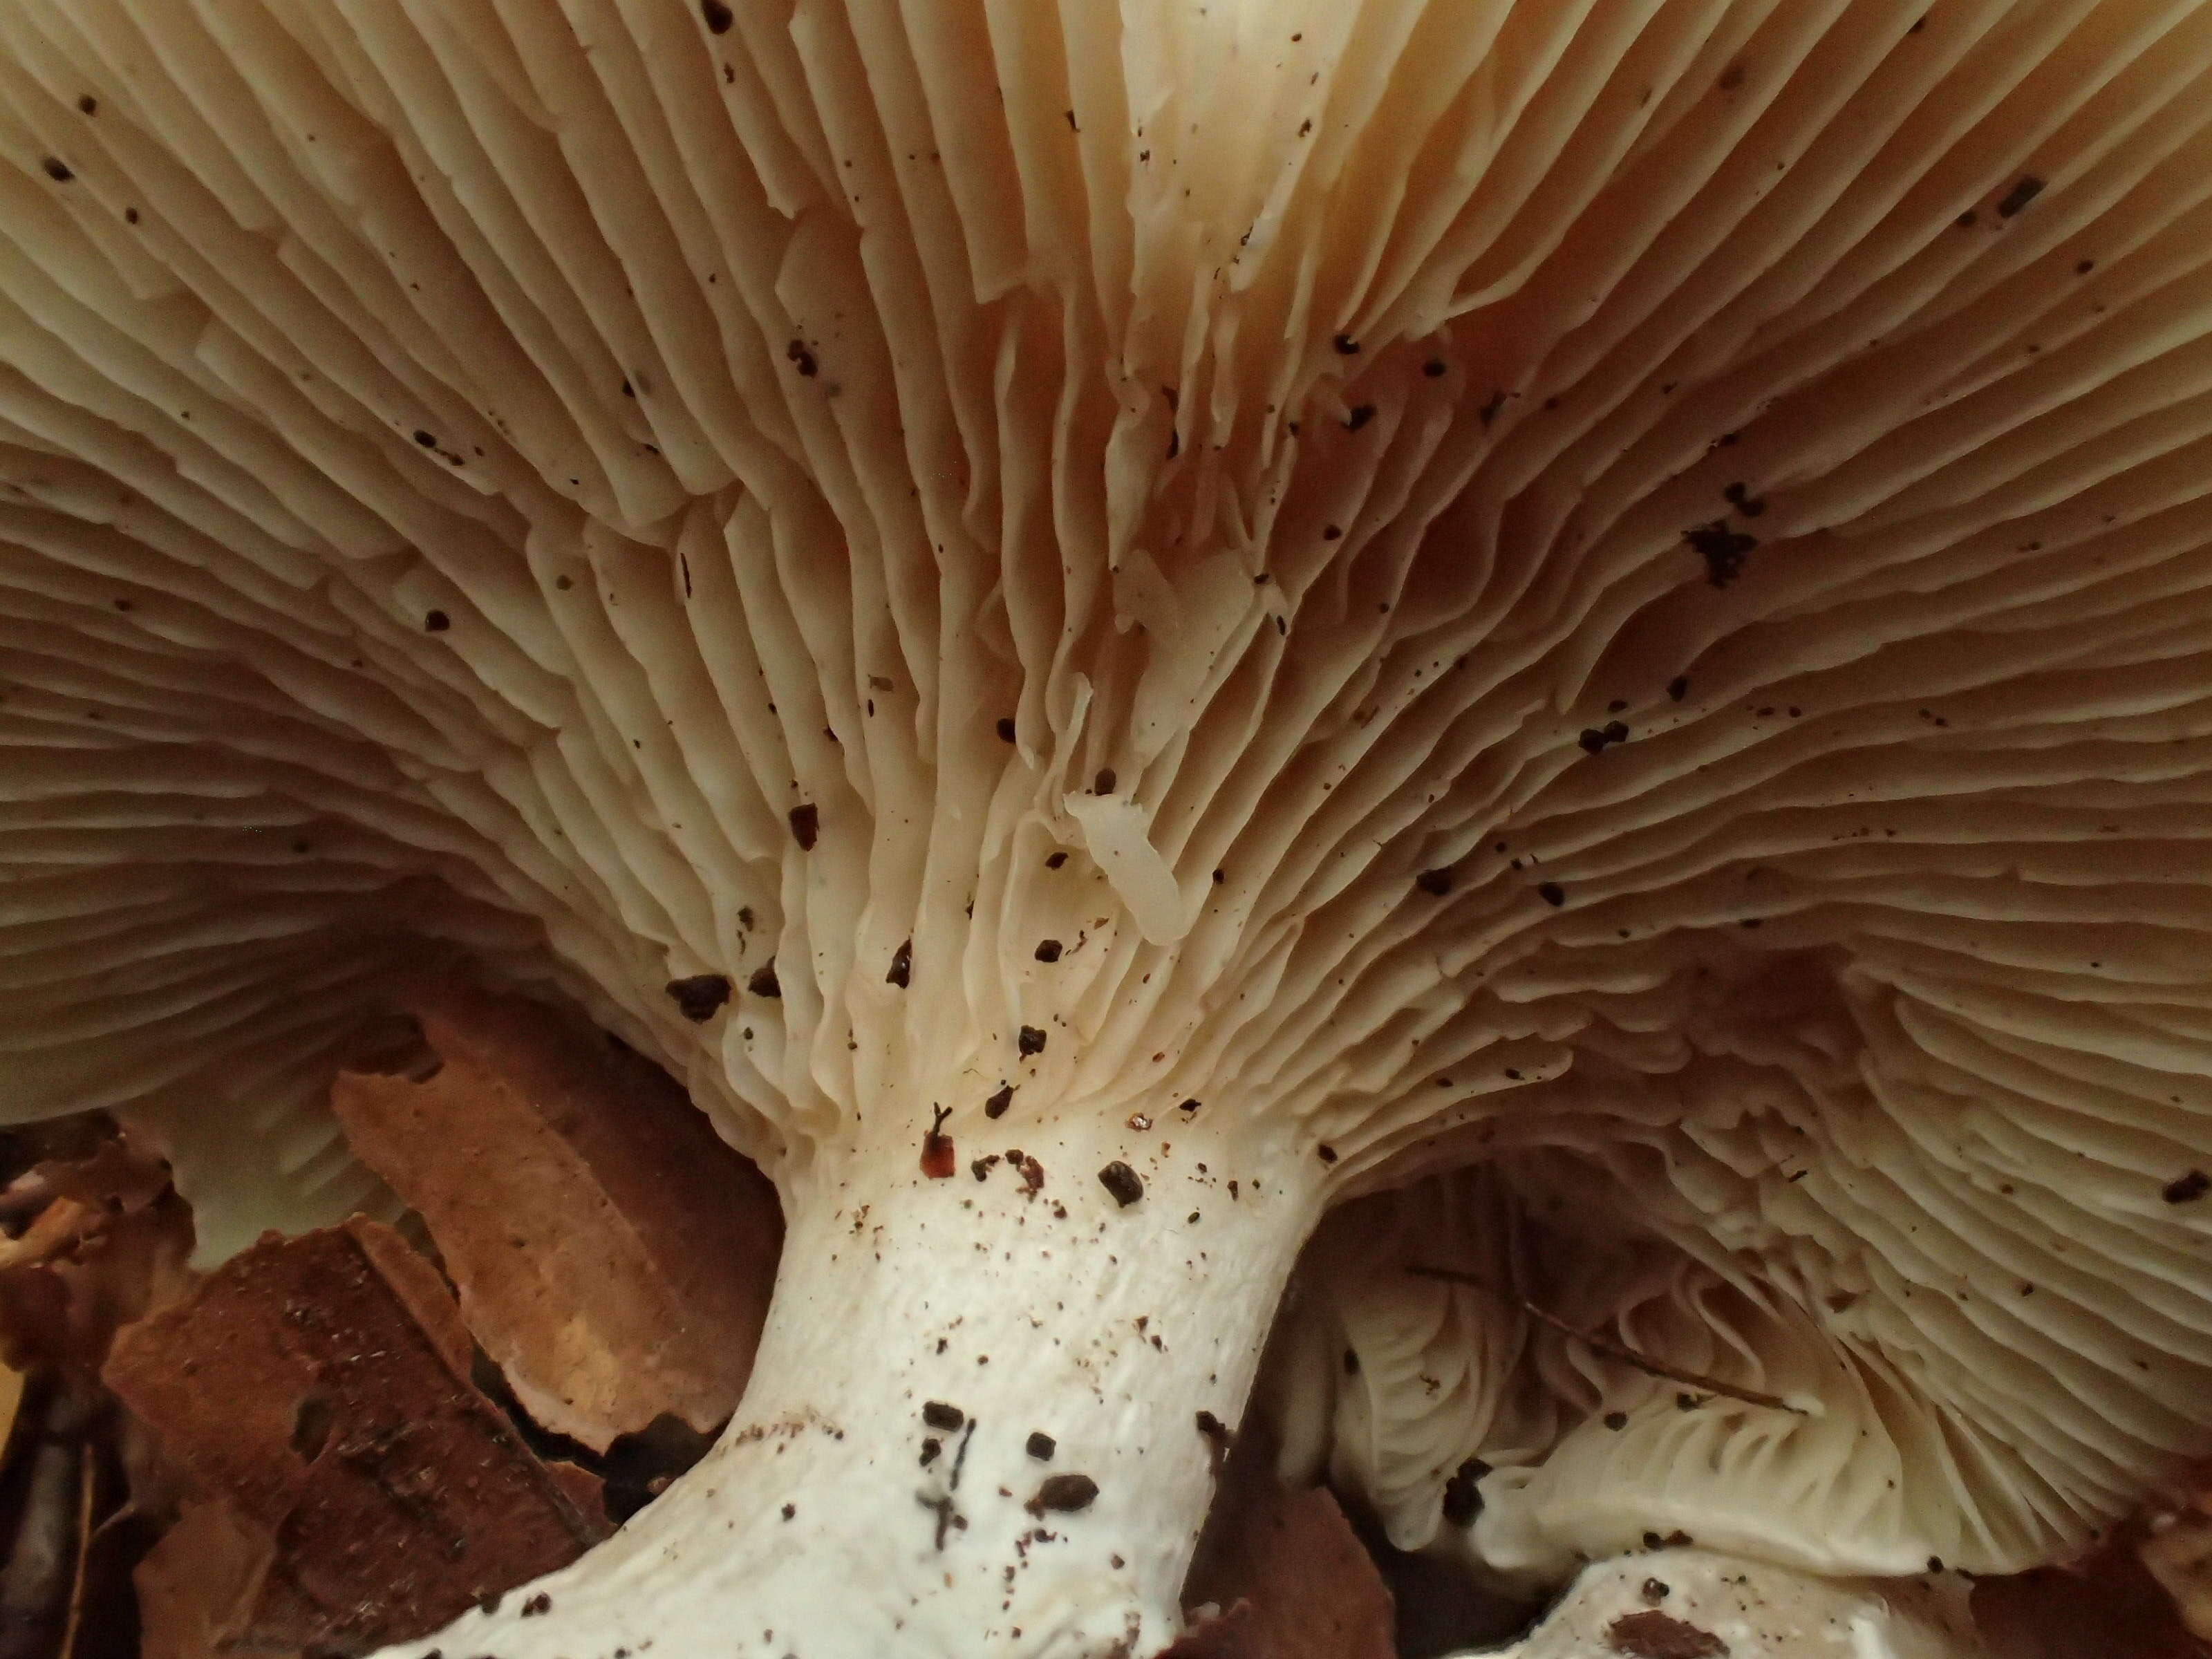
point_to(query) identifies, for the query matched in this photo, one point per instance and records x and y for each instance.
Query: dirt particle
(1064, 1494)
(1126, 1185)
(805, 825)
(2025, 190)
(1463, 1493)
(699, 997)
(1722, 549)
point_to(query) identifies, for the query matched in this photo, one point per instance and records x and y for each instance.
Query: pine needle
(1612, 1349)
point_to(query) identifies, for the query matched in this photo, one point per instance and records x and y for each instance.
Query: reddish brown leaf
(1226, 1635)
(2110, 1603)
(2174, 1544)
(320, 1387)
(613, 1255)
(1656, 1635)
(57, 1230)
(197, 1586)
(117, 1174)
(107, 1240)
(1296, 1581)
(2180, 1556)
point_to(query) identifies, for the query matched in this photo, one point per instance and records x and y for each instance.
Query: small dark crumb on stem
(1064, 1494)
(1122, 1182)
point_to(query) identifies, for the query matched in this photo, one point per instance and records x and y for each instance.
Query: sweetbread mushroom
(1109, 625)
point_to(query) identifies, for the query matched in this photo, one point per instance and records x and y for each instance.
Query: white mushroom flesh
(1609, 590)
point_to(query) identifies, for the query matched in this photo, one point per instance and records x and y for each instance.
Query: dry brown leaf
(197, 1586)
(2180, 1556)
(2103, 1607)
(613, 1256)
(110, 1242)
(1293, 1575)
(112, 1538)
(57, 1229)
(319, 1385)
(11, 1399)
(2174, 1544)
(120, 1175)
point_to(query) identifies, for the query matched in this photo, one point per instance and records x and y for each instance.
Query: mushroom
(1607, 593)
(1692, 1604)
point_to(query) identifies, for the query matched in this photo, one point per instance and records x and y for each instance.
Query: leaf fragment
(614, 1257)
(1287, 1576)
(318, 1386)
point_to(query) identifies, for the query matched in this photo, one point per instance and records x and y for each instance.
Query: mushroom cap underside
(1609, 591)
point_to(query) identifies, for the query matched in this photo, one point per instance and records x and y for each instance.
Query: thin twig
(1644, 1363)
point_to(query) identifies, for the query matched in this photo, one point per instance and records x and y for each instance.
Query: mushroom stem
(972, 1427)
